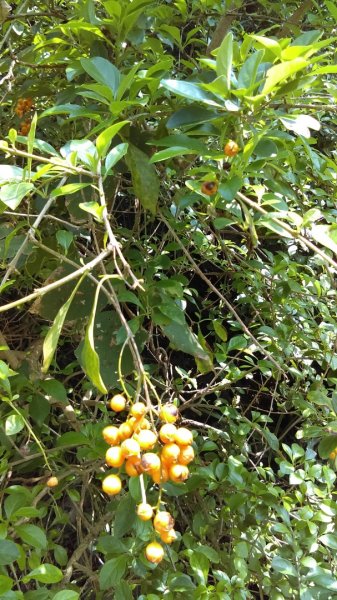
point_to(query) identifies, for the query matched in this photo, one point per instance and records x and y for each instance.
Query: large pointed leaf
(281, 72)
(183, 338)
(102, 71)
(224, 59)
(89, 356)
(11, 194)
(189, 90)
(144, 178)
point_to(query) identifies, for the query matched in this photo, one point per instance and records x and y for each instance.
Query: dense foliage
(143, 252)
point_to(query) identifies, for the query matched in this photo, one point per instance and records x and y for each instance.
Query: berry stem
(142, 488)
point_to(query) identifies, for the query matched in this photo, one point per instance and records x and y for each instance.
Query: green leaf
(12, 194)
(248, 71)
(114, 156)
(144, 178)
(181, 583)
(52, 337)
(93, 208)
(325, 235)
(123, 591)
(66, 595)
(327, 444)
(32, 535)
(72, 438)
(125, 516)
(330, 540)
(301, 124)
(189, 90)
(220, 330)
(332, 8)
(182, 338)
(200, 565)
(170, 153)
(66, 190)
(112, 572)
(281, 72)
(89, 356)
(9, 552)
(45, 574)
(14, 424)
(102, 71)
(224, 59)
(282, 565)
(6, 583)
(104, 139)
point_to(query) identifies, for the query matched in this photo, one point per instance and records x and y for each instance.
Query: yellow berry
(52, 482)
(150, 462)
(160, 475)
(125, 430)
(114, 457)
(144, 511)
(167, 433)
(168, 536)
(186, 455)
(154, 552)
(133, 466)
(111, 435)
(139, 424)
(168, 413)
(130, 447)
(231, 148)
(163, 521)
(147, 439)
(178, 473)
(170, 452)
(138, 409)
(118, 403)
(112, 485)
(183, 437)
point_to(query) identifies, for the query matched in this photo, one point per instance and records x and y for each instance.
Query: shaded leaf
(145, 180)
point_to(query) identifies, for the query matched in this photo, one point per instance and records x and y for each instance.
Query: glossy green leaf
(90, 358)
(248, 72)
(102, 71)
(45, 573)
(224, 59)
(125, 516)
(279, 73)
(93, 208)
(189, 90)
(9, 552)
(12, 194)
(112, 572)
(66, 190)
(325, 235)
(66, 595)
(104, 139)
(14, 424)
(114, 156)
(145, 180)
(32, 535)
(53, 335)
(182, 338)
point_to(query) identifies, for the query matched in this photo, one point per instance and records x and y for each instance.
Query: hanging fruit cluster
(161, 452)
(24, 106)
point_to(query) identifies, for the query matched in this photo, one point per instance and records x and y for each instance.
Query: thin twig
(61, 164)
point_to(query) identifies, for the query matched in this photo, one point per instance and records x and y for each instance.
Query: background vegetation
(223, 303)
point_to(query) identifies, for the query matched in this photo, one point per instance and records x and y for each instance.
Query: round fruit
(186, 455)
(125, 430)
(138, 409)
(168, 413)
(118, 403)
(130, 447)
(178, 473)
(147, 439)
(114, 457)
(52, 482)
(170, 452)
(167, 433)
(144, 511)
(154, 552)
(168, 536)
(160, 475)
(150, 462)
(183, 437)
(112, 485)
(209, 188)
(332, 455)
(111, 435)
(133, 466)
(231, 148)
(163, 521)
(139, 424)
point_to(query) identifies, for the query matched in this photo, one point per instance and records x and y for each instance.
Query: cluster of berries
(24, 106)
(209, 188)
(163, 455)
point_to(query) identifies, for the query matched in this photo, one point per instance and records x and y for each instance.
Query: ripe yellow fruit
(125, 430)
(186, 455)
(138, 409)
(154, 552)
(118, 403)
(147, 439)
(167, 433)
(160, 475)
(130, 447)
(52, 482)
(178, 473)
(150, 462)
(170, 452)
(114, 457)
(168, 536)
(183, 437)
(133, 466)
(231, 148)
(169, 413)
(139, 424)
(112, 485)
(144, 511)
(163, 521)
(111, 435)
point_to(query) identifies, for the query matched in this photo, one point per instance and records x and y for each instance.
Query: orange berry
(168, 536)
(163, 521)
(111, 435)
(209, 188)
(133, 466)
(112, 485)
(144, 511)
(146, 438)
(130, 447)
(138, 409)
(178, 473)
(125, 430)
(52, 482)
(114, 457)
(28, 103)
(183, 437)
(140, 424)
(150, 462)
(154, 552)
(167, 433)
(186, 455)
(168, 413)
(170, 452)
(231, 148)
(118, 403)
(160, 475)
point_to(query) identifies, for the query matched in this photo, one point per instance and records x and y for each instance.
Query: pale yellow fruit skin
(111, 485)
(154, 552)
(52, 482)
